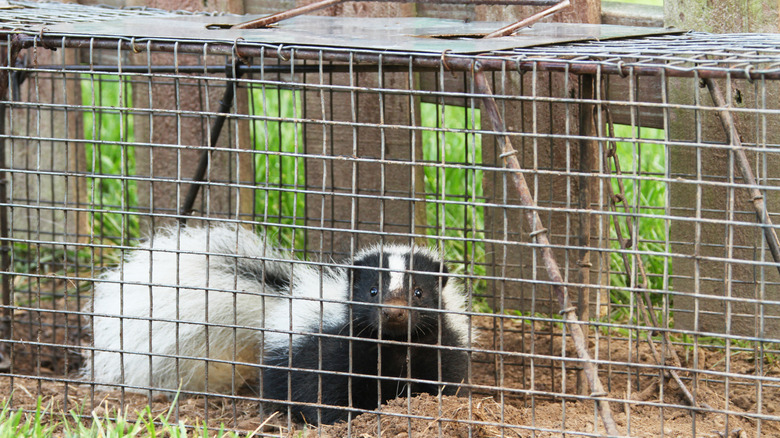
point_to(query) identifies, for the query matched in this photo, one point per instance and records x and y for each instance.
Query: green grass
(276, 173)
(46, 422)
(109, 122)
(21, 424)
(466, 219)
(647, 197)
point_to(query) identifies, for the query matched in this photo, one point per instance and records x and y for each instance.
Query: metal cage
(609, 206)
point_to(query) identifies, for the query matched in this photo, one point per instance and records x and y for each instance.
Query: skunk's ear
(357, 270)
(354, 274)
(444, 277)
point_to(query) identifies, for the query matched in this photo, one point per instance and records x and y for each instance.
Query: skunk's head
(399, 287)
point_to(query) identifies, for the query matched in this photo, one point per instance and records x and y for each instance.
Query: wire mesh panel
(576, 239)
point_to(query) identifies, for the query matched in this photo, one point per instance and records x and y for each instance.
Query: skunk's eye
(374, 291)
(418, 293)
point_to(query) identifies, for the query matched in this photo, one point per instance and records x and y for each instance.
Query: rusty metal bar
(508, 30)
(212, 68)
(727, 120)
(456, 63)
(539, 233)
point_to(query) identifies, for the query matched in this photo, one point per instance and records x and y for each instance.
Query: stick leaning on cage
(645, 303)
(540, 234)
(757, 199)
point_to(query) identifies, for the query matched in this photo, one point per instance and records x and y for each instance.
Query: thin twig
(262, 425)
(540, 234)
(268, 20)
(646, 309)
(508, 30)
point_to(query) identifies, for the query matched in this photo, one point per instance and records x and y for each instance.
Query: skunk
(151, 327)
(395, 293)
(202, 308)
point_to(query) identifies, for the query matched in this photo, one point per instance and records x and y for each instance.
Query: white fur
(397, 266)
(174, 258)
(316, 295)
(454, 301)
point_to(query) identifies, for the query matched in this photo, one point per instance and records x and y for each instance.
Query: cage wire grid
(328, 150)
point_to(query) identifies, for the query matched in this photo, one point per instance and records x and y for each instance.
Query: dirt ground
(540, 399)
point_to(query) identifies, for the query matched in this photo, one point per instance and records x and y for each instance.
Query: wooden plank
(268, 7)
(53, 152)
(351, 190)
(636, 15)
(513, 259)
(177, 166)
(706, 283)
(648, 90)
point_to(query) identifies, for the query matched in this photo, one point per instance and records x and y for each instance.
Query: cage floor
(521, 415)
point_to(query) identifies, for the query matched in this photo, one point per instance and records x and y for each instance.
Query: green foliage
(20, 424)
(47, 260)
(281, 175)
(44, 422)
(453, 187)
(108, 122)
(640, 160)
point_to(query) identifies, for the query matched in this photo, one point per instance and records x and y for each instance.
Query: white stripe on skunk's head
(403, 276)
(397, 262)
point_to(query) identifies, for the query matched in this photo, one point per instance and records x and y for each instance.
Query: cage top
(743, 56)
(404, 35)
(546, 46)
(407, 34)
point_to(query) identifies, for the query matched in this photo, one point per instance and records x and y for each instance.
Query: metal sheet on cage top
(409, 34)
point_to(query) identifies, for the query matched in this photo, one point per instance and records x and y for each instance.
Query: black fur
(274, 275)
(420, 292)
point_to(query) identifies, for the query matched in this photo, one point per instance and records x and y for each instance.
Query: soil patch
(526, 386)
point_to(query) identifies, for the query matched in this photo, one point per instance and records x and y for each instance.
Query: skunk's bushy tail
(160, 314)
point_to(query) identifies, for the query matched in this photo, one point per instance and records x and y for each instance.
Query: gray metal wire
(714, 294)
(27, 16)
